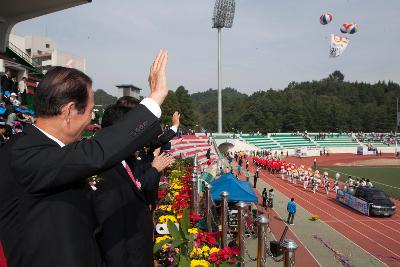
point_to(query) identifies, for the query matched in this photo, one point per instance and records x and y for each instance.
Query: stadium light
(224, 12)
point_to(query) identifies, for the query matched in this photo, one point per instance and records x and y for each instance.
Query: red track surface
(378, 236)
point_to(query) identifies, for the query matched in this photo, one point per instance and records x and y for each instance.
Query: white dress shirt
(22, 88)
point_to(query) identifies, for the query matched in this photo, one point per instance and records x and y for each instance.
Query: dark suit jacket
(5, 83)
(147, 158)
(46, 217)
(126, 238)
(161, 141)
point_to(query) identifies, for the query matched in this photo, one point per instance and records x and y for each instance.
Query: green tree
(101, 97)
(188, 118)
(327, 105)
(336, 76)
(169, 106)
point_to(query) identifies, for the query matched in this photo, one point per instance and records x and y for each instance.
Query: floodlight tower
(224, 12)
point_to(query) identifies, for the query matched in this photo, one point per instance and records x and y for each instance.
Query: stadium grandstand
(189, 145)
(337, 141)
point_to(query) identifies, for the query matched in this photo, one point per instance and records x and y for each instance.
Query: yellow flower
(195, 252)
(199, 263)
(161, 238)
(193, 231)
(205, 248)
(166, 218)
(214, 249)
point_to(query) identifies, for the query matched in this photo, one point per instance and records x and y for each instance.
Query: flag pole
(397, 126)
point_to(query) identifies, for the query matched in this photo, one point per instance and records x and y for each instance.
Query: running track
(378, 236)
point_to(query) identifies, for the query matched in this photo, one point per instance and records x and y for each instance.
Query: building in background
(44, 53)
(128, 90)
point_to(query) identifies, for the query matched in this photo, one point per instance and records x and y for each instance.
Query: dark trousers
(271, 202)
(255, 183)
(23, 98)
(264, 202)
(290, 218)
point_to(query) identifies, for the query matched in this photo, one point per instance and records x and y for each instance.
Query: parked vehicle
(369, 201)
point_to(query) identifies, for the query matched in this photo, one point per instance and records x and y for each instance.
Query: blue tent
(238, 190)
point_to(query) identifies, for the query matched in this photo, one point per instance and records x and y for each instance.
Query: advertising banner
(353, 202)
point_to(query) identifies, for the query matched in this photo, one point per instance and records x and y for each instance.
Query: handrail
(22, 54)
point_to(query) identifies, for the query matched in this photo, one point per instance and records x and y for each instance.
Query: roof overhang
(19, 10)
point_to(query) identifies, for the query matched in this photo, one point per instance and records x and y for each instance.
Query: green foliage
(159, 245)
(180, 101)
(188, 118)
(169, 106)
(185, 224)
(184, 261)
(103, 98)
(327, 105)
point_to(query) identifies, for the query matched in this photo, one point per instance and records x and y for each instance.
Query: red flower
(225, 255)
(161, 194)
(205, 237)
(195, 217)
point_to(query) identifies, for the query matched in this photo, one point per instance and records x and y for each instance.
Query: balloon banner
(338, 45)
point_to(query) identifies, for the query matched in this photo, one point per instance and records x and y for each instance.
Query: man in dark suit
(122, 208)
(46, 218)
(5, 82)
(146, 155)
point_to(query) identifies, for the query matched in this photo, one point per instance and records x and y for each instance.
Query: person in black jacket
(264, 195)
(121, 200)
(3, 130)
(5, 82)
(46, 217)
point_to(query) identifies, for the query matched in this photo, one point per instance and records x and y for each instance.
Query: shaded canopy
(238, 190)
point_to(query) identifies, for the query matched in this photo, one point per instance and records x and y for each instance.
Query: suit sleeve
(150, 179)
(46, 168)
(164, 138)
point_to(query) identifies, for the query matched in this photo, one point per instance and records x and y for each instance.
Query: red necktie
(130, 173)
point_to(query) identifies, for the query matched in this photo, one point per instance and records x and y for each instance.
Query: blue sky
(270, 44)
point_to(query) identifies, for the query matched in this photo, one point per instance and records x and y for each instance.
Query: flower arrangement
(186, 245)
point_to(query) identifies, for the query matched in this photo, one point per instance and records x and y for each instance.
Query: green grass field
(385, 178)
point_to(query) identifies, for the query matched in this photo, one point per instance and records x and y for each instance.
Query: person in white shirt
(14, 100)
(363, 182)
(22, 90)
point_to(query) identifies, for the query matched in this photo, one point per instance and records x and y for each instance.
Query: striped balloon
(325, 18)
(345, 28)
(353, 29)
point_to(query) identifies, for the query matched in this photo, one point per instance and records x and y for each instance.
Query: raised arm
(42, 167)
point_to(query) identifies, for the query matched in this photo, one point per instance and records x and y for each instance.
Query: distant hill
(103, 98)
(330, 104)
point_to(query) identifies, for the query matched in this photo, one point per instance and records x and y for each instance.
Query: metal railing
(27, 58)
